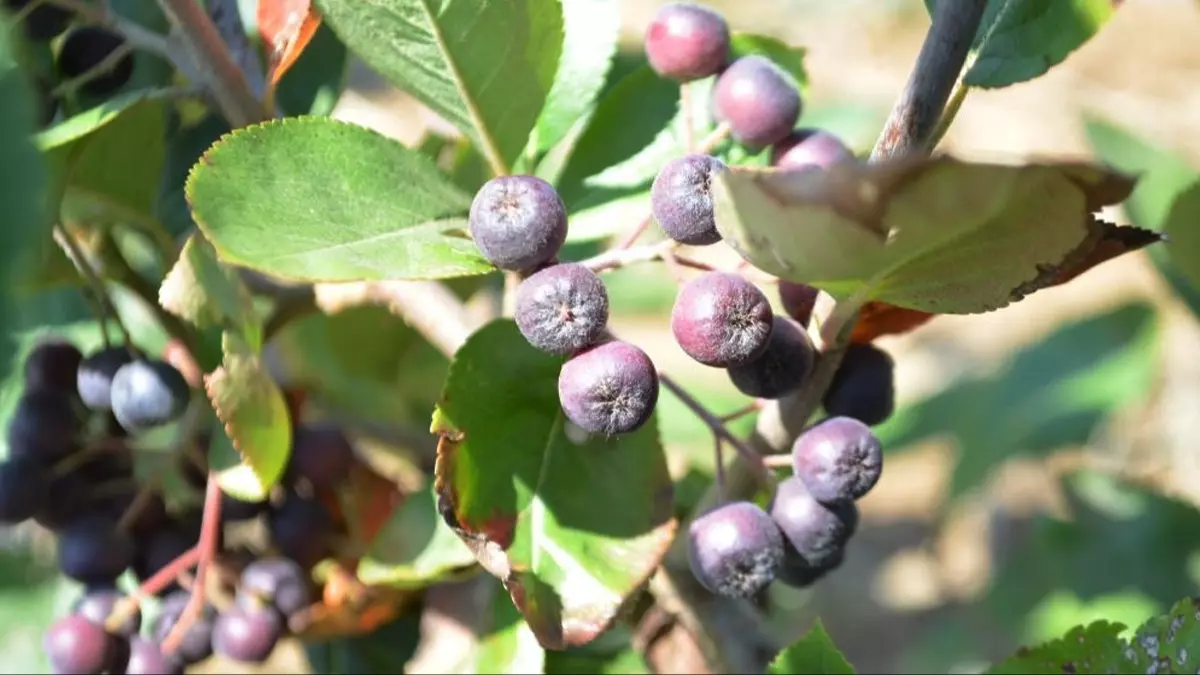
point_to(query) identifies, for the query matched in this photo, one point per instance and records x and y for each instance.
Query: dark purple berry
(735, 549)
(816, 532)
(234, 510)
(151, 513)
(758, 100)
(23, 487)
(798, 573)
(68, 497)
(809, 149)
(721, 320)
(98, 604)
(839, 459)
(321, 455)
(96, 372)
(681, 199)
(246, 634)
(148, 394)
(196, 644)
(562, 308)
(301, 529)
(863, 386)
(160, 549)
(54, 365)
(92, 550)
(44, 426)
(73, 644)
(518, 222)
(687, 42)
(146, 658)
(798, 300)
(609, 389)
(277, 581)
(85, 48)
(782, 367)
(44, 22)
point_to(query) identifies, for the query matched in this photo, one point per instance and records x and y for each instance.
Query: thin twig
(138, 37)
(749, 456)
(126, 606)
(686, 100)
(145, 493)
(97, 71)
(228, 21)
(84, 266)
(210, 529)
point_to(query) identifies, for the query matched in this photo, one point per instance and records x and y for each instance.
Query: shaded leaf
(572, 527)
(938, 235)
(1183, 228)
(787, 57)
(485, 65)
(203, 292)
(1051, 394)
(591, 29)
(185, 145)
(81, 124)
(315, 199)
(316, 80)
(285, 27)
(415, 548)
(813, 654)
(1029, 37)
(255, 417)
(377, 653)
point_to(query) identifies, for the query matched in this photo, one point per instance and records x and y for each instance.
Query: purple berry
(148, 394)
(147, 658)
(809, 149)
(798, 573)
(54, 365)
(247, 634)
(94, 380)
(92, 550)
(196, 644)
(687, 42)
(321, 455)
(863, 386)
(798, 300)
(609, 389)
(98, 604)
(816, 532)
(681, 199)
(735, 549)
(301, 529)
(721, 320)
(758, 100)
(838, 459)
(279, 581)
(782, 367)
(518, 222)
(24, 482)
(45, 426)
(562, 308)
(76, 645)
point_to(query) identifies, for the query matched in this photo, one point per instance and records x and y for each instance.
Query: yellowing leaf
(201, 291)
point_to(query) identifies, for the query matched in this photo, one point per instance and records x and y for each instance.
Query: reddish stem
(152, 586)
(210, 527)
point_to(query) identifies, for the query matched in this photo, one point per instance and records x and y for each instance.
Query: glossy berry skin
(45, 426)
(87, 47)
(839, 459)
(98, 604)
(23, 487)
(92, 551)
(75, 645)
(798, 300)
(278, 581)
(247, 634)
(44, 23)
(735, 550)
(758, 100)
(301, 529)
(686, 42)
(196, 644)
(321, 455)
(53, 365)
(816, 532)
(721, 320)
(148, 394)
(864, 386)
(681, 199)
(94, 382)
(146, 658)
(783, 366)
(809, 149)
(562, 308)
(609, 389)
(518, 222)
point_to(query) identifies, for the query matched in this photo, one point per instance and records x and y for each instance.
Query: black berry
(44, 426)
(321, 455)
(687, 42)
(721, 320)
(44, 22)
(23, 487)
(562, 308)
(518, 222)
(681, 199)
(816, 532)
(301, 528)
(148, 394)
(864, 386)
(758, 101)
(609, 389)
(92, 551)
(838, 459)
(53, 365)
(735, 549)
(96, 375)
(783, 366)
(87, 47)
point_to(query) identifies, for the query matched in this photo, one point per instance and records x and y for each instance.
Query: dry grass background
(1142, 71)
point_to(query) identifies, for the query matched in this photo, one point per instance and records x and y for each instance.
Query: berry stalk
(210, 530)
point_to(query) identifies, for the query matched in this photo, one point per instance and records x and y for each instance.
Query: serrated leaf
(255, 416)
(938, 235)
(485, 65)
(1096, 648)
(415, 548)
(316, 199)
(813, 654)
(1168, 643)
(203, 292)
(591, 29)
(572, 527)
(787, 57)
(1029, 37)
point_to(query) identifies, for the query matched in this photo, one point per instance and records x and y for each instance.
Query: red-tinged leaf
(879, 318)
(286, 27)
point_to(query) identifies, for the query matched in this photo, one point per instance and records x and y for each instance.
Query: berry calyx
(609, 389)
(721, 320)
(735, 550)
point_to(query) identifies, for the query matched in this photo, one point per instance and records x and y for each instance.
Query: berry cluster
(81, 51)
(737, 549)
(70, 468)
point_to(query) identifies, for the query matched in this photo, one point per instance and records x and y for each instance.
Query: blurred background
(1043, 468)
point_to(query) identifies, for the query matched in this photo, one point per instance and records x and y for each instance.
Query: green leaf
(255, 415)
(591, 30)
(415, 548)
(380, 652)
(485, 65)
(1029, 37)
(185, 145)
(1096, 648)
(938, 235)
(315, 199)
(573, 527)
(1052, 394)
(1183, 231)
(813, 654)
(203, 292)
(1171, 642)
(787, 57)
(81, 124)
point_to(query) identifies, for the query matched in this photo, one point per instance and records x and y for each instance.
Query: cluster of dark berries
(606, 386)
(82, 49)
(737, 549)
